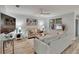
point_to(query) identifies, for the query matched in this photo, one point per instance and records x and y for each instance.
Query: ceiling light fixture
(17, 6)
(44, 12)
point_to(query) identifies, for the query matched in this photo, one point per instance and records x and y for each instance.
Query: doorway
(77, 28)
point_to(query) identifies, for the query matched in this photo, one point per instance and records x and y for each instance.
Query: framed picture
(58, 20)
(31, 21)
(54, 22)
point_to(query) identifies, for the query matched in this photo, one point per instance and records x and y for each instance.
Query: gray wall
(21, 20)
(69, 21)
(2, 8)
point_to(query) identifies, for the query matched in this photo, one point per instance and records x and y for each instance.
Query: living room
(35, 29)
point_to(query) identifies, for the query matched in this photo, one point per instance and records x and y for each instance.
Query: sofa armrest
(41, 47)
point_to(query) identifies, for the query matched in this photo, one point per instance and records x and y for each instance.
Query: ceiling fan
(44, 12)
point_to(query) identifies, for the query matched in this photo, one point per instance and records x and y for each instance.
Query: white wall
(45, 21)
(21, 20)
(2, 8)
(69, 21)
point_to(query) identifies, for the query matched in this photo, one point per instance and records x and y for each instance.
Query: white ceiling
(35, 9)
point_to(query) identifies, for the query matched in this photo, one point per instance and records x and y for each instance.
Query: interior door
(77, 28)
